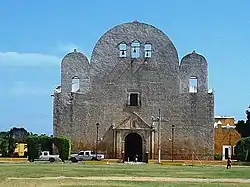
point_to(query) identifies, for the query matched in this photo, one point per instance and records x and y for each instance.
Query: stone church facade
(133, 73)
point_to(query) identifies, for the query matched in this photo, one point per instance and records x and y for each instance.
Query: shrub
(44, 143)
(64, 147)
(217, 157)
(33, 147)
(36, 144)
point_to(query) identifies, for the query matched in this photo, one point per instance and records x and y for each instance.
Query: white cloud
(15, 59)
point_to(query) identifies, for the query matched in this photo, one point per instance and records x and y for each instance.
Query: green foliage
(7, 144)
(64, 147)
(4, 143)
(46, 143)
(36, 144)
(9, 139)
(11, 144)
(4, 146)
(4, 135)
(217, 157)
(243, 149)
(243, 127)
(33, 145)
(19, 135)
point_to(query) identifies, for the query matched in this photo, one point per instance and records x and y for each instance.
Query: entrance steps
(126, 162)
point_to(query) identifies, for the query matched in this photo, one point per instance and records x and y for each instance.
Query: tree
(4, 146)
(9, 139)
(243, 149)
(243, 127)
(4, 143)
(19, 134)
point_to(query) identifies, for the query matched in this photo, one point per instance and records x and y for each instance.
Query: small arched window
(193, 84)
(147, 50)
(135, 49)
(123, 49)
(75, 85)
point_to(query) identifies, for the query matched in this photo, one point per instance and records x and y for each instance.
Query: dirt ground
(152, 179)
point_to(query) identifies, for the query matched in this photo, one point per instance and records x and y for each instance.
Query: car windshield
(81, 153)
(92, 152)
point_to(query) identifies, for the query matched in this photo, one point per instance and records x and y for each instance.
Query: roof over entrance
(134, 121)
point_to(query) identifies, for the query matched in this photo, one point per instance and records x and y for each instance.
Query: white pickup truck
(86, 155)
(45, 156)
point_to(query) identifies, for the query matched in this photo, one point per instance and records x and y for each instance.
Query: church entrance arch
(133, 147)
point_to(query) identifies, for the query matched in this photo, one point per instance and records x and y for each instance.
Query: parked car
(46, 156)
(86, 155)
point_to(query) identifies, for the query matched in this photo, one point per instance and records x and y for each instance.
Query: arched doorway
(133, 146)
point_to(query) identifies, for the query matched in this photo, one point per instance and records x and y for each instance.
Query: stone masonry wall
(161, 82)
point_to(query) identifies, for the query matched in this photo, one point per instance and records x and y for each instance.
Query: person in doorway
(136, 158)
(229, 163)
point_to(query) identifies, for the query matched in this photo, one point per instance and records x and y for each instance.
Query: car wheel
(52, 160)
(73, 160)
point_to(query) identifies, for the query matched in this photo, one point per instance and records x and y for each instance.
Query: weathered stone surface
(161, 83)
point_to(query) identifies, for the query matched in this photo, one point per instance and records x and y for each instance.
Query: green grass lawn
(31, 170)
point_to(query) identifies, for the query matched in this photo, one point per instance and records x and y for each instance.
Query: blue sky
(35, 35)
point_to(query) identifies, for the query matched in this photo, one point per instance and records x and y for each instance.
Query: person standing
(136, 158)
(229, 163)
